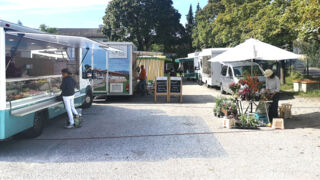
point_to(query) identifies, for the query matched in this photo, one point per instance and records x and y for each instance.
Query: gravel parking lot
(137, 139)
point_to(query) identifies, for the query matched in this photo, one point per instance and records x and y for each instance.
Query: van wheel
(221, 89)
(88, 99)
(38, 124)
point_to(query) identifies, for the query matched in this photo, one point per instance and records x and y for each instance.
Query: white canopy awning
(69, 41)
(255, 49)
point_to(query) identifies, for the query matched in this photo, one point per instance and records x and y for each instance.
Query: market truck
(113, 70)
(30, 77)
(205, 65)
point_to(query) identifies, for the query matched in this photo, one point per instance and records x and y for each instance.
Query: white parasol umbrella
(255, 49)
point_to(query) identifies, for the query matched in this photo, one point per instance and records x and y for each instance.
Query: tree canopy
(147, 23)
(47, 29)
(155, 25)
(223, 23)
(189, 27)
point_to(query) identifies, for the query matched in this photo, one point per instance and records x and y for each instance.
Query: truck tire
(38, 124)
(88, 100)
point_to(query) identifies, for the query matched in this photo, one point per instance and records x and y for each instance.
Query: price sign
(175, 84)
(162, 85)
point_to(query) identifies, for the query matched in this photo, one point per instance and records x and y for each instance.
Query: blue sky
(69, 13)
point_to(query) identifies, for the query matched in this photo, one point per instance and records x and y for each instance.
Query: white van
(232, 72)
(206, 66)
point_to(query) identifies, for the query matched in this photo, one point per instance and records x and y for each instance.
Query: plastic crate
(261, 117)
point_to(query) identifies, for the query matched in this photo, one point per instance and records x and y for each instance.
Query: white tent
(253, 49)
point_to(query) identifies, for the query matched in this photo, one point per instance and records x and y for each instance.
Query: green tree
(47, 29)
(204, 20)
(144, 22)
(279, 22)
(195, 31)
(189, 27)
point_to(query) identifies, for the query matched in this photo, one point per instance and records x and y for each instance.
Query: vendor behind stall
(142, 83)
(273, 89)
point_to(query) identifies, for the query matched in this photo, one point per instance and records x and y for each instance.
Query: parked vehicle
(112, 71)
(205, 65)
(295, 66)
(233, 72)
(30, 77)
(216, 74)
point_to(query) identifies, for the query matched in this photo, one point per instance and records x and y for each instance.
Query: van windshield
(241, 71)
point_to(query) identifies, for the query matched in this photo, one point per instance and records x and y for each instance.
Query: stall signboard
(161, 87)
(175, 86)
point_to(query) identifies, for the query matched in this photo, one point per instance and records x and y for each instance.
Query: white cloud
(27, 5)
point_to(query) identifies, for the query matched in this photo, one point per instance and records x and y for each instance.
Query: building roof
(84, 32)
(91, 33)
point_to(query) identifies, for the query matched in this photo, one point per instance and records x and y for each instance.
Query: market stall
(154, 65)
(188, 68)
(249, 106)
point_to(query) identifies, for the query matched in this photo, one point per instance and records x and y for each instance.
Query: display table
(246, 107)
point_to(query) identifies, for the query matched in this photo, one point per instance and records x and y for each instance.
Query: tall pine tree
(195, 35)
(189, 28)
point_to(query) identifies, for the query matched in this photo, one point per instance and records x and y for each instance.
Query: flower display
(225, 107)
(235, 87)
(248, 88)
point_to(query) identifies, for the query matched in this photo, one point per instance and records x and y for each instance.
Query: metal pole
(251, 67)
(2, 70)
(107, 77)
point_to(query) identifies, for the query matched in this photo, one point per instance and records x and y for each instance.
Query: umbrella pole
(251, 67)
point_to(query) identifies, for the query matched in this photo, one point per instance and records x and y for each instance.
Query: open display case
(32, 89)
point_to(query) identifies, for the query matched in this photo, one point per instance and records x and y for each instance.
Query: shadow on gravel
(287, 95)
(149, 99)
(111, 133)
(310, 120)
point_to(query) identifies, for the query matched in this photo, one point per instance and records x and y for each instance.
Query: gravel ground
(137, 139)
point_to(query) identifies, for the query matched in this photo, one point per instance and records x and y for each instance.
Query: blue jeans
(142, 86)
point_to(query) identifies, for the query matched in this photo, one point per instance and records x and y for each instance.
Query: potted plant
(247, 122)
(224, 107)
(217, 108)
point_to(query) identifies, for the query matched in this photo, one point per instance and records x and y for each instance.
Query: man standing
(273, 88)
(142, 80)
(67, 87)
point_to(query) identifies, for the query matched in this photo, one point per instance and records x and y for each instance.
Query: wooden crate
(278, 123)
